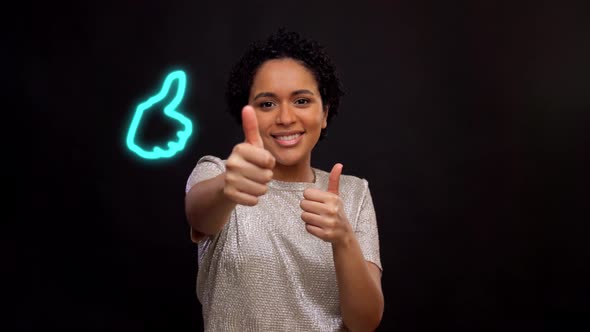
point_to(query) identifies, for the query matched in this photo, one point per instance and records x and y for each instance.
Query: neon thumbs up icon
(173, 146)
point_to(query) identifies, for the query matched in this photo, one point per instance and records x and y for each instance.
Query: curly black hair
(278, 45)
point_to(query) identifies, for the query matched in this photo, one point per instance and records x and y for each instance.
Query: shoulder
(207, 167)
(349, 184)
(211, 161)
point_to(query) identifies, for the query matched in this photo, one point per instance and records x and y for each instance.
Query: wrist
(346, 241)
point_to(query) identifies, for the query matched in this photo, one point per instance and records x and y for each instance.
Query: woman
(283, 246)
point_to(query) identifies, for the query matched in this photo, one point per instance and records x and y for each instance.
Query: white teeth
(288, 138)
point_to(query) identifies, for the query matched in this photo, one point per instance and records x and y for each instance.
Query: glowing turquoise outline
(169, 110)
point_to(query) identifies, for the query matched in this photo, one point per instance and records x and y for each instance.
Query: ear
(325, 117)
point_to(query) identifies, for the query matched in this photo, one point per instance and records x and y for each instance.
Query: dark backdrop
(467, 118)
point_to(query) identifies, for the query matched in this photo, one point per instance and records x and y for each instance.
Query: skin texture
(282, 125)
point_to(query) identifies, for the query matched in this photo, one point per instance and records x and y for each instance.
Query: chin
(286, 160)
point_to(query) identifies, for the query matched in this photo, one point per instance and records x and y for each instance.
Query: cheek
(264, 122)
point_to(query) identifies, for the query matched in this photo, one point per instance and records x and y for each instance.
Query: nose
(285, 116)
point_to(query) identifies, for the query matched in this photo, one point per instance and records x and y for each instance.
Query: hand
(249, 167)
(323, 211)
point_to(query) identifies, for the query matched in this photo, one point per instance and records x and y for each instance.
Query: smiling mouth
(288, 139)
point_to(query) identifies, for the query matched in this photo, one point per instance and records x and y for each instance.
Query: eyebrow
(294, 93)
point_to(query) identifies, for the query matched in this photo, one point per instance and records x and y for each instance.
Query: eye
(266, 104)
(302, 101)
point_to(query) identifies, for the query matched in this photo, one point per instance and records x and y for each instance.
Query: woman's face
(289, 110)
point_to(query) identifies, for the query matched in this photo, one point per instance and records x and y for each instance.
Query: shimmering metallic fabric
(264, 271)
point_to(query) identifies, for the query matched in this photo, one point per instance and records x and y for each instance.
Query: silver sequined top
(264, 271)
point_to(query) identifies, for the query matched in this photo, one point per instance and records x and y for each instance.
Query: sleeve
(207, 167)
(367, 232)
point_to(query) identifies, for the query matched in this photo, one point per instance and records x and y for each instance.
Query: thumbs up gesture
(249, 166)
(323, 211)
(178, 79)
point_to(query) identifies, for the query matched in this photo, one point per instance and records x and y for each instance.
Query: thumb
(177, 93)
(334, 180)
(250, 127)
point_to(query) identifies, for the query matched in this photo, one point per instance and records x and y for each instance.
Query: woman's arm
(359, 282)
(359, 286)
(207, 207)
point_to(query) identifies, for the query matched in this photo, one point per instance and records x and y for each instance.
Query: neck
(295, 173)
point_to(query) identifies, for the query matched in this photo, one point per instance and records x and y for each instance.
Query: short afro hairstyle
(284, 44)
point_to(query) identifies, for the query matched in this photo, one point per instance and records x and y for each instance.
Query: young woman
(283, 246)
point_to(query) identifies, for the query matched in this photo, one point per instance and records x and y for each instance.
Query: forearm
(361, 298)
(207, 208)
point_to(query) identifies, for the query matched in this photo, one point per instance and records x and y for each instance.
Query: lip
(290, 142)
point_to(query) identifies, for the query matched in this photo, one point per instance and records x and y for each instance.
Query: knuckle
(268, 174)
(241, 149)
(254, 201)
(334, 210)
(232, 162)
(230, 178)
(231, 193)
(265, 160)
(226, 191)
(270, 160)
(305, 216)
(331, 223)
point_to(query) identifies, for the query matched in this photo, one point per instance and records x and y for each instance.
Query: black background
(469, 120)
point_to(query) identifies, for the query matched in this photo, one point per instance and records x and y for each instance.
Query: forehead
(283, 74)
